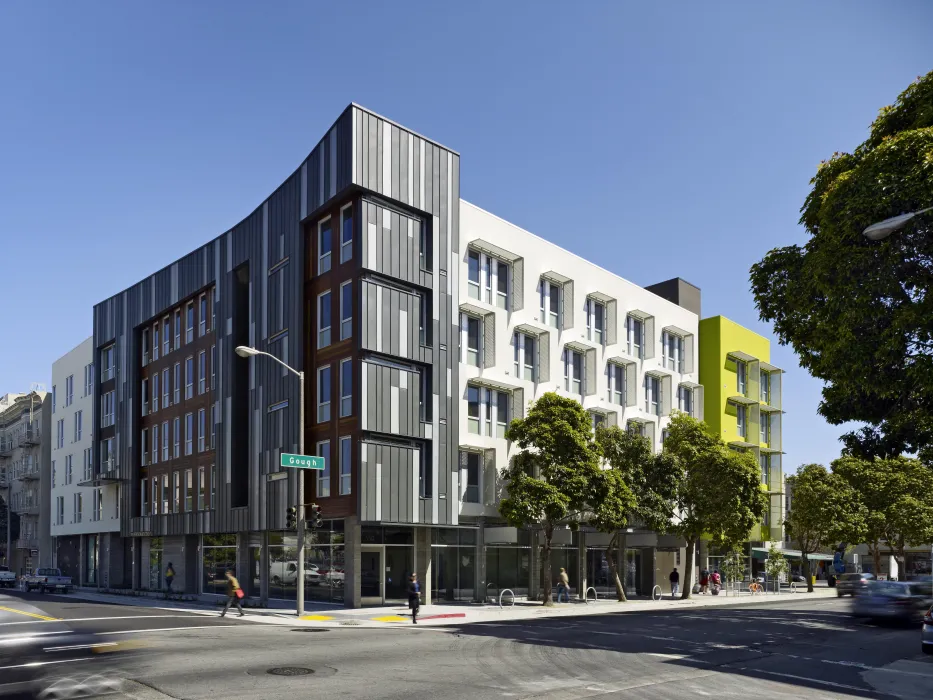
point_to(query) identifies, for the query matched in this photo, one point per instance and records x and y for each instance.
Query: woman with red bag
(234, 593)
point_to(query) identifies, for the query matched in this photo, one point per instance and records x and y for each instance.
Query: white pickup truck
(7, 577)
(48, 580)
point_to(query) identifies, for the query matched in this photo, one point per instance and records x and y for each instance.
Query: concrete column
(351, 563)
(479, 570)
(534, 568)
(582, 582)
(264, 569)
(424, 561)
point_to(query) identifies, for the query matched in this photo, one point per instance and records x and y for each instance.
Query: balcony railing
(6, 447)
(31, 436)
(25, 506)
(26, 543)
(107, 374)
(26, 471)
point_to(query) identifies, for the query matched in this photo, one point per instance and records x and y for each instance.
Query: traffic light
(291, 518)
(314, 518)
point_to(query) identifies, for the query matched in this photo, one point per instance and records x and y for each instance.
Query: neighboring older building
(85, 509)
(24, 474)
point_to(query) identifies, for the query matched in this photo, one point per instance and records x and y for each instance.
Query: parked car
(48, 580)
(893, 600)
(926, 634)
(7, 577)
(852, 584)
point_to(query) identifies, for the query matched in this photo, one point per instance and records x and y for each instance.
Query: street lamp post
(881, 230)
(244, 351)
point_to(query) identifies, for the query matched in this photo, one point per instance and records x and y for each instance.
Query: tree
(718, 490)
(638, 485)
(776, 564)
(857, 312)
(824, 510)
(732, 566)
(551, 480)
(897, 495)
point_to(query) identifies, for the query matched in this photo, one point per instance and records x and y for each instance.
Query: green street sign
(302, 461)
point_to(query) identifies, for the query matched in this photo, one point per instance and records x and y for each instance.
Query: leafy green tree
(551, 479)
(824, 510)
(718, 490)
(637, 486)
(857, 312)
(732, 566)
(897, 496)
(776, 564)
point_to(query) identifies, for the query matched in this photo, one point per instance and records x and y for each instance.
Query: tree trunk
(546, 575)
(687, 578)
(876, 558)
(806, 572)
(613, 569)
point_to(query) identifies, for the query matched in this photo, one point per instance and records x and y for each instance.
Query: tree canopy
(857, 312)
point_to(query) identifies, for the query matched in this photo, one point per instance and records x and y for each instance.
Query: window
(88, 380)
(202, 429)
(144, 390)
(503, 401)
(765, 428)
(652, 394)
(672, 348)
(473, 274)
(473, 409)
(97, 505)
(155, 495)
(143, 497)
(176, 438)
(177, 331)
(765, 462)
(166, 336)
(177, 390)
(765, 387)
(595, 321)
(213, 365)
(346, 466)
(201, 488)
(54, 393)
(214, 309)
(637, 428)
(189, 432)
(61, 433)
(87, 465)
(685, 400)
(323, 475)
(346, 234)
(189, 494)
(189, 322)
(346, 310)
(53, 473)
(68, 470)
(213, 427)
(79, 503)
(597, 419)
(202, 315)
(472, 326)
(573, 371)
(635, 334)
(323, 394)
(165, 441)
(469, 475)
(165, 494)
(502, 285)
(741, 383)
(664, 435)
(323, 319)
(550, 304)
(202, 372)
(346, 388)
(323, 247)
(176, 492)
(144, 341)
(616, 388)
(69, 390)
(487, 279)
(213, 486)
(108, 369)
(189, 377)
(155, 392)
(78, 425)
(107, 409)
(166, 388)
(740, 422)
(60, 510)
(106, 455)
(524, 347)
(155, 444)
(155, 341)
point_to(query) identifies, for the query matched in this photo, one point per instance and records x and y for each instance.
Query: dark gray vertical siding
(386, 492)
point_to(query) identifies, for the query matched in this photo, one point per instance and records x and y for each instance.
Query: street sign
(302, 461)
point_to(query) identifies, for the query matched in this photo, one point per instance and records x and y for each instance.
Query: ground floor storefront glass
(508, 566)
(324, 564)
(91, 558)
(387, 557)
(155, 563)
(565, 557)
(453, 564)
(218, 553)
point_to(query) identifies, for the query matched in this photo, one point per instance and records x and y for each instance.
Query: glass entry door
(371, 576)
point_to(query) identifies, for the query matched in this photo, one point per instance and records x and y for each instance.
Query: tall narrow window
(202, 429)
(470, 473)
(155, 443)
(155, 392)
(346, 466)
(740, 422)
(550, 304)
(765, 462)
(502, 285)
(502, 413)
(652, 395)
(201, 488)
(176, 438)
(177, 328)
(144, 497)
(177, 390)
(473, 274)
(487, 279)
(189, 432)
(473, 326)
(573, 371)
(685, 400)
(323, 475)
(473, 409)
(165, 441)
(765, 387)
(616, 388)
(346, 233)
(765, 427)
(213, 365)
(79, 427)
(524, 348)
(145, 342)
(346, 388)
(176, 490)
(166, 495)
(672, 348)
(166, 336)
(346, 310)
(156, 496)
(323, 319)
(323, 394)
(144, 390)
(202, 315)
(213, 428)
(88, 380)
(635, 332)
(166, 388)
(107, 362)
(323, 247)
(741, 370)
(189, 476)
(202, 372)
(489, 395)
(189, 377)
(189, 322)
(155, 342)
(595, 320)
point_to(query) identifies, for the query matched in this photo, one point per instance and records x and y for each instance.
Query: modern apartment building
(422, 324)
(24, 475)
(84, 519)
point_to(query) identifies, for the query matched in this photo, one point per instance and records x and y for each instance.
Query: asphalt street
(780, 650)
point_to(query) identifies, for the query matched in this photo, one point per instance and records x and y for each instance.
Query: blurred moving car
(7, 577)
(852, 584)
(47, 580)
(901, 601)
(926, 634)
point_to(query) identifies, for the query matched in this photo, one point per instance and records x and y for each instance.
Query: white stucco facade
(558, 303)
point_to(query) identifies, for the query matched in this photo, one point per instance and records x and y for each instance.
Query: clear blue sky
(657, 142)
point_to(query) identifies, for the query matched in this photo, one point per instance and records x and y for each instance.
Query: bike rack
(491, 583)
(504, 591)
(793, 586)
(586, 593)
(660, 593)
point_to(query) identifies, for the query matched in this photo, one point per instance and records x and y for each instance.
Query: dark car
(852, 584)
(900, 601)
(926, 633)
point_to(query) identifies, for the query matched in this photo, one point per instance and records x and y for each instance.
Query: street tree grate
(290, 671)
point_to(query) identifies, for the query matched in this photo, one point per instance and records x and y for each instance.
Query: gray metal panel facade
(389, 321)
(393, 401)
(387, 476)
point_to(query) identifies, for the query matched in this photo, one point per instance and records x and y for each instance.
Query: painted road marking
(390, 618)
(29, 614)
(316, 617)
(164, 629)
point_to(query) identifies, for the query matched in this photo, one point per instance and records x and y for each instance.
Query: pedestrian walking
(169, 577)
(563, 586)
(716, 581)
(414, 598)
(234, 593)
(675, 582)
(704, 581)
